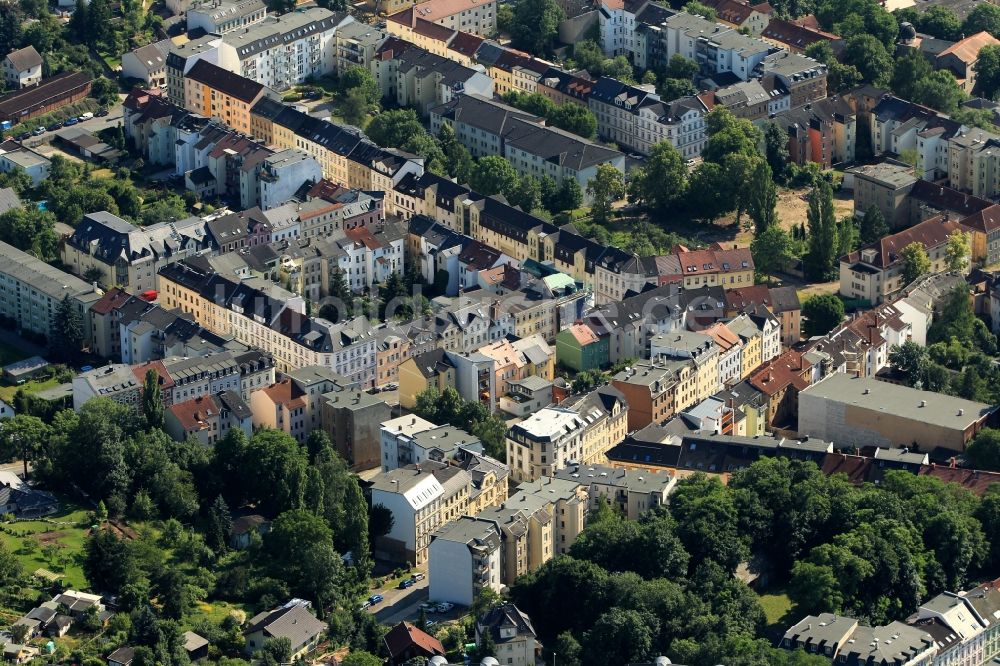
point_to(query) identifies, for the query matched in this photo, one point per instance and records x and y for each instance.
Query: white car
(445, 606)
(87, 116)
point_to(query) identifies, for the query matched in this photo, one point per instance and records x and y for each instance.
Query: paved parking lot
(94, 125)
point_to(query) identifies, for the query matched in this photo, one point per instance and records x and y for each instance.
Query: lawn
(7, 392)
(779, 610)
(54, 543)
(214, 612)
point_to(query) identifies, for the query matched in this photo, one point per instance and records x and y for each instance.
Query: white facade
(464, 558)
(284, 52)
(220, 18)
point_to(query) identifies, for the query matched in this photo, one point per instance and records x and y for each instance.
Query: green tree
(700, 9)
(357, 77)
(983, 17)
(152, 401)
(355, 107)
(587, 54)
(957, 251)
(574, 118)
(394, 128)
(661, 182)
(623, 636)
(776, 149)
(360, 658)
(536, 25)
(605, 188)
(987, 68)
(823, 242)
(23, 436)
(983, 451)
(910, 72)
(771, 251)
(866, 53)
(66, 337)
(763, 199)
(910, 360)
(300, 550)
(494, 175)
(821, 313)
(939, 21)
(915, 262)
(873, 226)
(220, 522)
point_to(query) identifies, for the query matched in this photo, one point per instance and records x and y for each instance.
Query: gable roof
(967, 50)
(225, 81)
(405, 636)
(292, 621)
(24, 59)
(929, 233)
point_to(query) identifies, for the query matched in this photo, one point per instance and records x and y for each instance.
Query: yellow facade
(753, 349)
(210, 102)
(730, 280)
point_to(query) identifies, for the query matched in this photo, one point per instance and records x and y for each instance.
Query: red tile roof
(404, 636)
(929, 233)
(111, 300)
(967, 50)
(583, 334)
(194, 414)
(986, 220)
(701, 262)
(140, 373)
(286, 393)
(782, 372)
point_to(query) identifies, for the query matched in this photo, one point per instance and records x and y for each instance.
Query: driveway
(94, 125)
(400, 605)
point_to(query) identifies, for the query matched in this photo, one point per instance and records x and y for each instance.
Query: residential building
(489, 128)
(699, 348)
(580, 431)
(148, 64)
(803, 77)
(579, 348)
(182, 57)
(863, 411)
(886, 186)
(526, 396)
(220, 17)
(730, 353)
(14, 156)
(636, 118)
(478, 18)
(781, 381)
(512, 633)
(32, 291)
(738, 14)
(214, 92)
(630, 491)
(726, 268)
(823, 131)
(115, 381)
(293, 621)
(208, 418)
(431, 369)
(464, 558)
(406, 643)
(844, 640)
(126, 255)
(874, 272)
(280, 52)
(45, 96)
(958, 58)
(22, 68)
(796, 36)
(421, 498)
(353, 420)
(782, 302)
(410, 440)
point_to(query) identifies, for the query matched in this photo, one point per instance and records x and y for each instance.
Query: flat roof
(909, 403)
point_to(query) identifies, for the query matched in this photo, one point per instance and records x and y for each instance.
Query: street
(94, 125)
(400, 605)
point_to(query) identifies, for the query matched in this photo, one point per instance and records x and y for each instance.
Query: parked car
(38, 131)
(313, 94)
(70, 121)
(24, 136)
(406, 584)
(429, 607)
(430, 623)
(445, 606)
(86, 116)
(418, 576)
(374, 599)
(390, 387)
(101, 113)
(53, 127)
(366, 605)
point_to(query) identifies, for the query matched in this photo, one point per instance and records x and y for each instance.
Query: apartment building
(181, 58)
(580, 430)
(423, 80)
(898, 125)
(281, 52)
(215, 92)
(465, 558)
(874, 272)
(126, 255)
(32, 291)
(115, 382)
(148, 64)
(472, 16)
(726, 268)
(568, 505)
(803, 77)
(637, 119)
(220, 17)
(823, 131)
(421, 499)
(207, 419)
(489, 128)
(630, 491)
(411, 440)
(698, 347)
